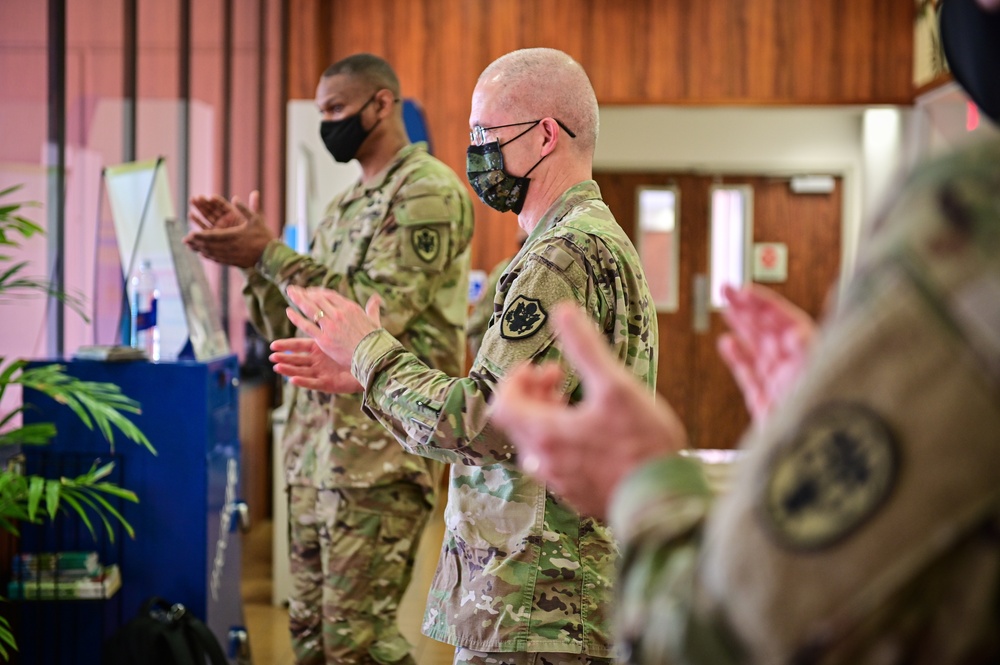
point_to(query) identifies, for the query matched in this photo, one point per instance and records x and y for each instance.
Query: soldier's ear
(385, 100)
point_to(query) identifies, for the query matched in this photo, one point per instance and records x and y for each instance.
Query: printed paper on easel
(140, 205)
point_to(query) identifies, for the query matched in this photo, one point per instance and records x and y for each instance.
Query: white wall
(313, 177)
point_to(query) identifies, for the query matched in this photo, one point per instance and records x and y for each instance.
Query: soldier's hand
(583, 451)
(336, 323)
(229, 232)
(216, 212)
(301, 359)
(766, 346)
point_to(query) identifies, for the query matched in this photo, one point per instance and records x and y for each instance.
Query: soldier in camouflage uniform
(522, 577)
(357, 502)
(861, 525)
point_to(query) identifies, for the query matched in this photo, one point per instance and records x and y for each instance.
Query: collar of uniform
(574, 196)
(361, 189)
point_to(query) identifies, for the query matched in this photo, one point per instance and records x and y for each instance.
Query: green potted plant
(33, 498)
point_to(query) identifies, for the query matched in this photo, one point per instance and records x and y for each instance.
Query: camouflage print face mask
(494, 186)
(484, 168)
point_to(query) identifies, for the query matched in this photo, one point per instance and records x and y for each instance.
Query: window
(658, 243)
(731, 231)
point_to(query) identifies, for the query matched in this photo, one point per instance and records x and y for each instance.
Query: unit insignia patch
(426, 243)
(835, 474)
(522, 318)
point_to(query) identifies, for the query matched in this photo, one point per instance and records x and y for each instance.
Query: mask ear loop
(362, 109)
(500, 145)
(536, 164)
(520, 135)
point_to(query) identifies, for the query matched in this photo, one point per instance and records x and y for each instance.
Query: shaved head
(541, 82)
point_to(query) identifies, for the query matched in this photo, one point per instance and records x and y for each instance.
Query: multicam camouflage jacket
(519, 570)
(405, 235)
(861, 525)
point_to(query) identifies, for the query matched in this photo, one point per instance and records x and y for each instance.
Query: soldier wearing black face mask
(357, 501)
(343, 137)
(862, 523)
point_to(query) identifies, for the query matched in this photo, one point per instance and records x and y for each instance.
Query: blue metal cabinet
(187, 545)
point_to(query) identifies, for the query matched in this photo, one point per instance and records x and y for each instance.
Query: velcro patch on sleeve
(523, 329)
(424, 228)
(522, 318)
(426, 242)
(837, 471)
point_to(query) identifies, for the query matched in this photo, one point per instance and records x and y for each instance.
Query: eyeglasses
(478, 134)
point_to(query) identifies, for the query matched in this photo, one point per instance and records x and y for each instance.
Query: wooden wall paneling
(359, 26)
(308, 39)
(854, 76)
(729, 51)
(893, 50)
(708, 45)
(561, 22)
(669, 44)
(733, 52)
(613, 57)
(407, 50)
(762, 41)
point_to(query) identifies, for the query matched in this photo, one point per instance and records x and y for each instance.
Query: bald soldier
(357, 502)
(863, 524)
(522, 577)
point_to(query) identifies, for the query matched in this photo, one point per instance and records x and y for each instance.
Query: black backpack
(163, 634)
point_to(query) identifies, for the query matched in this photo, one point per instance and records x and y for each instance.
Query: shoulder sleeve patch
(838, 469)
(523, 329)
(522, 318)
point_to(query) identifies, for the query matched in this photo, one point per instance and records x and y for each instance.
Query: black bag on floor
(164, 634)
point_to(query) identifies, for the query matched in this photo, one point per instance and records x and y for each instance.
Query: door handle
(699, 287)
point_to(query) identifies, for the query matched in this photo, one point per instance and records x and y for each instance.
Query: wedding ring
(319, 315)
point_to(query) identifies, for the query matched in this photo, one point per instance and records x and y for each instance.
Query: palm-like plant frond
(90, 497)
(13, 284)
(96, 404)
(35, 498)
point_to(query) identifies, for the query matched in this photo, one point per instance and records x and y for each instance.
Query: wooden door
(690, 373)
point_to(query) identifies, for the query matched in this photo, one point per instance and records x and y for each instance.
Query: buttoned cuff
(368, 356)
(275, 255)
(673, 481)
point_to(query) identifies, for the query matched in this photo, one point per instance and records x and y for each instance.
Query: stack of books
(63, 576)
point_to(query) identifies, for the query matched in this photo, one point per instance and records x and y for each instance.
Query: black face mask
(970, 36)
(343, 137)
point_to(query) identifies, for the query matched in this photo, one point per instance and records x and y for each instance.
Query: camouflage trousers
(351, 557)
(465, 656)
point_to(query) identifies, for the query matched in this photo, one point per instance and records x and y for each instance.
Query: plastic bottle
(143, 297)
